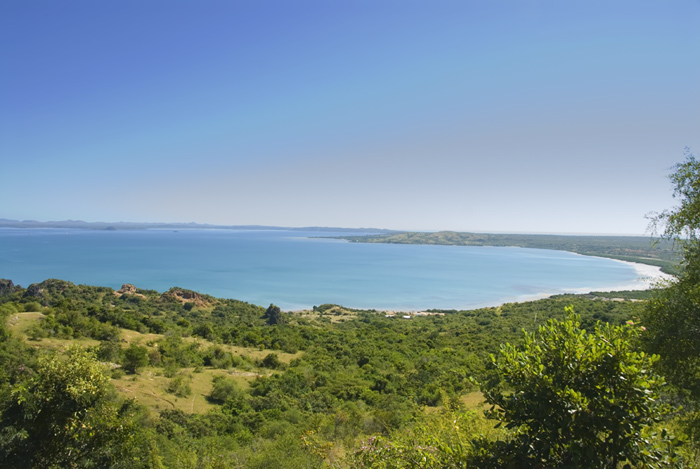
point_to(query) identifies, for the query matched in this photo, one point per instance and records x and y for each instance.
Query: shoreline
(458, 295)
(648, 277)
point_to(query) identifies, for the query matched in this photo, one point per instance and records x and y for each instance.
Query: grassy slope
(149, 385)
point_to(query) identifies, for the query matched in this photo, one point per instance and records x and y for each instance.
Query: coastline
(456, 297)
(649, 276)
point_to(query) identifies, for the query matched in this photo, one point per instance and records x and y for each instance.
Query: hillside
(222, 377)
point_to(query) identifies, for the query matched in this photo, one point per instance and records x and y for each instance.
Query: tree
(135, 357)
(578, 399)
(60, 417)
(683, 222)
(673, 315)
(273, 315)
(271, 361)
(223, 389)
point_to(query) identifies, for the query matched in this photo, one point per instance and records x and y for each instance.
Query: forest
(92, 377)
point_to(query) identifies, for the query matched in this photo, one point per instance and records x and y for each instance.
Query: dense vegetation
(356, 375)
(92, 377)
(658, 252)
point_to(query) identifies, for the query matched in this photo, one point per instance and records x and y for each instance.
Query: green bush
(450, 438)
(109, 351)
(135, 357)
(579, 398)
(32, 307)
(272, 361)
(180, 386)
(223, 389)
(61, 417)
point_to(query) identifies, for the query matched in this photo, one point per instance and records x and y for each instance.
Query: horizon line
(193, 225)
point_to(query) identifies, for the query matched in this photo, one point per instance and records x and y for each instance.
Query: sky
(528, 116)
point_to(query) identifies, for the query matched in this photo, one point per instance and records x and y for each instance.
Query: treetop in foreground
(577, 398)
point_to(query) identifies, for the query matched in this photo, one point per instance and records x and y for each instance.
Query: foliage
(673, 315)
(16, 359)
(180, 386)
(683, 222)
(109, 351)
(135, 357)
(673, 321)
(271, 361)
(223, 389)
(451, 438)
(273, 315)
(578, 399)
(366, 376)
(687, 428)
(60, 417)
(625, 294)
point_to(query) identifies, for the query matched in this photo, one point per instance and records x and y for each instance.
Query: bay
(297, 270)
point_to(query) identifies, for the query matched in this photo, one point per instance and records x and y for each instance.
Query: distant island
(644, 250)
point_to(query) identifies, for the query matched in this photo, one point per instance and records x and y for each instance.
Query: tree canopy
(273, 315)
(673, 315)
(577, 398)
(60, 417)
(683, 221)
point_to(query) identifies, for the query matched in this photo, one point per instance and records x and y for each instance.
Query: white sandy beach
(648, 276)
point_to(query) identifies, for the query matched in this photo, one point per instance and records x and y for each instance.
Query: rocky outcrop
(34, 291)
(48, 288)
(127, 288)
(188, 295)
(6, 287)
(185, 296)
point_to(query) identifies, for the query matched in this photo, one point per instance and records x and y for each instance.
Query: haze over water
(295, 272)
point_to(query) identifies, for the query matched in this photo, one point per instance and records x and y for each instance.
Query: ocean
(297, 270)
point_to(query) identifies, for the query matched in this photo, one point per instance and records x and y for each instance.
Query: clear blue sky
(522, 116)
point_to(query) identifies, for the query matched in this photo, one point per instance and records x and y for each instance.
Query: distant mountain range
(84, 225)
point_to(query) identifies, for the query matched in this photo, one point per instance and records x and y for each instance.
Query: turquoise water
(295, 272)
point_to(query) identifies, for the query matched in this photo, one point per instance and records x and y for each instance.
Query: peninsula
(657, 252)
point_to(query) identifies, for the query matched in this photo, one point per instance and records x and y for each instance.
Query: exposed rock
(188, 295)
(127, 288)
(34, 291)
(6, 287)
(185, 296)
(48, 288)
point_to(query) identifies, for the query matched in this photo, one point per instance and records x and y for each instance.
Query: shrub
(223, 389)
(180, 386)
(578, 399)
(271, 361)
(135, 357)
